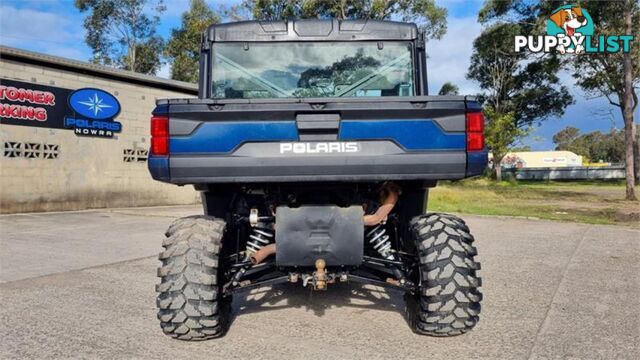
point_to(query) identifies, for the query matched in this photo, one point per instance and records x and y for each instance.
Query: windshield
(292, 69)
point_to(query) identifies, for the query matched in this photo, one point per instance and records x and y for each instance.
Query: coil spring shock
(380, 241)
(260, 238)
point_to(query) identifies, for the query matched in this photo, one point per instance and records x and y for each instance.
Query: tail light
(160, 135)
(475, 131)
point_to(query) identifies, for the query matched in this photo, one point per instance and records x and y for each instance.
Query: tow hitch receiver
(320, 276)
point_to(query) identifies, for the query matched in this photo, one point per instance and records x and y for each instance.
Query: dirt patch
(595, 203)
(631, 217)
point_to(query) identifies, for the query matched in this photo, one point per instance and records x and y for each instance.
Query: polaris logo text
(319, 148)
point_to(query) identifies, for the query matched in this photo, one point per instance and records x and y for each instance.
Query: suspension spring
(260, 238)
(380, 241)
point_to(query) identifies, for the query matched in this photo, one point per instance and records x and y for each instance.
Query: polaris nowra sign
(88, 111)
(94, 110)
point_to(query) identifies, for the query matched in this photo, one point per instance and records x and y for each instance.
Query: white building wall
(88, 172)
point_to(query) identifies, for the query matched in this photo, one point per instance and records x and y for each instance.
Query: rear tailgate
(284, 140)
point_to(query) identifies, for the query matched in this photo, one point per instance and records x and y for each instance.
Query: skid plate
(308, 233)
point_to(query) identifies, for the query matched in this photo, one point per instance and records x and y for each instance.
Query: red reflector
(160, 126)
(475, 122)
(475, 131)
(160, 135)
(475, 141)
(160, 146)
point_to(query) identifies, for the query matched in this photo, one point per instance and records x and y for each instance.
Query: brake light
(160, 135)
(475, 131)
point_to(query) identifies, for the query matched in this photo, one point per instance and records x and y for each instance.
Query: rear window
(299, 69)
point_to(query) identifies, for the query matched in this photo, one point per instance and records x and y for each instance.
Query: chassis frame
(374, 270)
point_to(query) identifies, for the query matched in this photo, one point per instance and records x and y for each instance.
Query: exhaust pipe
(263, 253)
(389, 194)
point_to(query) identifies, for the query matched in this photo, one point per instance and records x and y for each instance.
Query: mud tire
(190, 304)
(448, 302)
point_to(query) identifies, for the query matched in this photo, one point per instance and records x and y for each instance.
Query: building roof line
(62, 63)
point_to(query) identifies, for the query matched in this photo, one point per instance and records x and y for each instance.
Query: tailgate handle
(318, 127)
(318, 121)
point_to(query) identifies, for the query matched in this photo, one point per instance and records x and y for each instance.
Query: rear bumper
(344, 168)
(266, 162)
(259, 168)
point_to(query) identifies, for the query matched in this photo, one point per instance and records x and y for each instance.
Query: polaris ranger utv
(314, 144)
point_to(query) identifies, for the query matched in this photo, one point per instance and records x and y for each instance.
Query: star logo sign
(94, 104)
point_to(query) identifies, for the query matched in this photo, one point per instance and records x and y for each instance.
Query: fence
(568, 173)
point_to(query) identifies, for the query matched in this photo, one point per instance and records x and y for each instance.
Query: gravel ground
(81, 285)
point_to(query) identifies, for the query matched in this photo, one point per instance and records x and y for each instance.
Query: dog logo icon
(570, 21)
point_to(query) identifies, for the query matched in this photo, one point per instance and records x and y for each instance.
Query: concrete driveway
(81, 285)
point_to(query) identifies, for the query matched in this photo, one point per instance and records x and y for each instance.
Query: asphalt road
(81, 285)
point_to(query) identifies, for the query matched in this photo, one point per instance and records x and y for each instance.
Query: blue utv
(314, 145)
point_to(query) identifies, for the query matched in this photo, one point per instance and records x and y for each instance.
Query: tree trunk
(629, 152)
(132, 58)
(497, 166)
(636, 153)
(627, 115)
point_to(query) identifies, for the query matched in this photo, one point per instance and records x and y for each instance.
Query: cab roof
(311, 30)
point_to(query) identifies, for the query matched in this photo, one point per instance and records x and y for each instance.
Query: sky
(54, 27)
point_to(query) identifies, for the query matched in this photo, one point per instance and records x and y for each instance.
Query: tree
(183, 48)
(594, 146)
(431, 19)
(520, 86)
(565, 137)
(121, 34)
(614, 76)
(448, 89)
(501, 133)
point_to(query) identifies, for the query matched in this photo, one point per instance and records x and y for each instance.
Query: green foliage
(524, 84)
(523, 148)
(519, 89)
(616, 74)
(602, 74)
(183, 48)
(431, 18)
(449, 89)
(595, 146)
(147, 56)
(565, 137)
(122, 34)
(501, 132)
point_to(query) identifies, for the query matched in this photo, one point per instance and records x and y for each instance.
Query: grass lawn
(581, 201)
